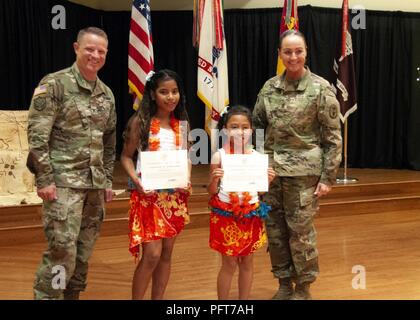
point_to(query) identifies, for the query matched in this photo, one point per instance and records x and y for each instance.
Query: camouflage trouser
(290, 229)
(71, 225)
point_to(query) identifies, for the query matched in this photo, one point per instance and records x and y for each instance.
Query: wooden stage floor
(385, 243)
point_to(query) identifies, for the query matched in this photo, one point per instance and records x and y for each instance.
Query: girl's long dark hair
(148, 107)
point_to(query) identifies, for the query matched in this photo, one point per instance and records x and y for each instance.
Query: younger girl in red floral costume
(236, 225)
(156, 217)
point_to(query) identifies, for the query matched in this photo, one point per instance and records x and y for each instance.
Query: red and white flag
(140, 49)
(212, 71)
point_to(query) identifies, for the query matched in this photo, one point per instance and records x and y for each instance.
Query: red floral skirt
(234, 235)
(156, 216)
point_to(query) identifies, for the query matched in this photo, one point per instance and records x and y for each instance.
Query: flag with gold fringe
(212, 70)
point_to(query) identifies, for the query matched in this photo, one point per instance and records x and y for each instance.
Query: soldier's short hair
(93, 30)
(292, 32)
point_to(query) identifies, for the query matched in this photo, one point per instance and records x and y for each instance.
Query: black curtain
(378, 130)
(413, 132)
(31, 48)
(383, 133)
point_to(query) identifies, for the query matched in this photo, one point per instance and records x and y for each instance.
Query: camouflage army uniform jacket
(302, 126)
(71, 132)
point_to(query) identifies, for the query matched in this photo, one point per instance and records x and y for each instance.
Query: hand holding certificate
(245, 172)
(164, 169)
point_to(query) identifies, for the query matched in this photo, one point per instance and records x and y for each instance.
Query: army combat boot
(285, 291)
(302, 292)
(71, 295)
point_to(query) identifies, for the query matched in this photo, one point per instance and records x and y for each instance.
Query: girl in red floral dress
(236, 225)
(156, 217)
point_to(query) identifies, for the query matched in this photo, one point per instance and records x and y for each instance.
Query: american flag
(140, 48)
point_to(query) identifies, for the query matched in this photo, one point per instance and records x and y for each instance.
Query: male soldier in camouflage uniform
(71, 133)
(299, 112)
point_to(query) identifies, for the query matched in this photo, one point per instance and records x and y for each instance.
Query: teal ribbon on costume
(261, 211)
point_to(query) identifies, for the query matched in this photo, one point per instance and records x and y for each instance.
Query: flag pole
(344, 68)
(345, 179)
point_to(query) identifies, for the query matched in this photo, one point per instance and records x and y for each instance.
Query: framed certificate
(164, 169)
(245, 172)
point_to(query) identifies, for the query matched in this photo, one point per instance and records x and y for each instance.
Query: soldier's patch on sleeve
(40, 90)
(40, 103)
(333, 112)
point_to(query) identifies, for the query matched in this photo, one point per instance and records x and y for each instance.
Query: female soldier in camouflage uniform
(299, 112)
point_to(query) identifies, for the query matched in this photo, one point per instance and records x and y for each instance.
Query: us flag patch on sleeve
(40, 90)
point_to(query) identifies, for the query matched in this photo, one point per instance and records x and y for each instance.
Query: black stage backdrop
(383, 133)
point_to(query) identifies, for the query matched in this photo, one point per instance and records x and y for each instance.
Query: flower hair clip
(150, 75)
(225, 110)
